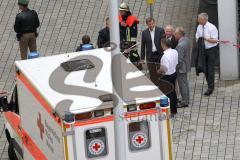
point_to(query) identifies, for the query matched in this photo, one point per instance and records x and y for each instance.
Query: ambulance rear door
(94, 135)
(42, 134)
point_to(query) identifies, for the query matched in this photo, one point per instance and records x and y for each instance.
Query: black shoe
(182, 105)
(179, 101)
(173, 115)
(208, 92)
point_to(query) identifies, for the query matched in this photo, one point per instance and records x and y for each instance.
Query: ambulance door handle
(25, 139)
(19, 127)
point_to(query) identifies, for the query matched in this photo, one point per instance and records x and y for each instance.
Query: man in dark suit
(151, 48)
(169, 33)
(104, 36)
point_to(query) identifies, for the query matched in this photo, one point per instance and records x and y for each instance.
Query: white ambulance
(62, 108)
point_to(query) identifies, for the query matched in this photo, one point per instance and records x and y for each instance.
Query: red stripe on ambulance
(14, 121)
(143, 113)
(92, 121)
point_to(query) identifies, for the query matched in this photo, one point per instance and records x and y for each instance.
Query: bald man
(169, 33)
(183, 49)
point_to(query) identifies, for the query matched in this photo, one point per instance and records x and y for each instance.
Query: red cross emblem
(40, 125)
(139, 139)
(96, 147)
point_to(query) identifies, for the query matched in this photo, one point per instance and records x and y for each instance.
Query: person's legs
(32, 42)
(183, 87)
(211, 68)
(173, 101)
(177, 89)
(206, 67)
(172, 95)
(153, 66)
(23, 45)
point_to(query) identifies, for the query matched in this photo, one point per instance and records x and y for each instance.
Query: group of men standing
(158, 49)
(152, 47)
(152, 52)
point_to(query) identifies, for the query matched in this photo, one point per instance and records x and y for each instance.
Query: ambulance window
(139, 136)
(95, 133)
(96, 143)
(77, 65)
(133, 127)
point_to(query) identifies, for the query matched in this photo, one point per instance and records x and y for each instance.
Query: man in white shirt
(209, 32)
(169, 63)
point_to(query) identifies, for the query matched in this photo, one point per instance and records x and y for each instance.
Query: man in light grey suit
(183, 67)
(151, 48)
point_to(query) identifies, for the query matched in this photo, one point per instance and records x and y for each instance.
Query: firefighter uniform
(128, 33)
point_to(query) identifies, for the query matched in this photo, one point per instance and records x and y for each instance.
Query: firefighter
(128, 23)
(128, 32)
(26, 24)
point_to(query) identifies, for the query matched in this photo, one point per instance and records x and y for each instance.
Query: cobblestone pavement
(208, 129)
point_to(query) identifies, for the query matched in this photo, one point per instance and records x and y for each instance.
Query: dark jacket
(174, 43)
(200, 56)
(103, 38)
(26, 22)
(146, 48)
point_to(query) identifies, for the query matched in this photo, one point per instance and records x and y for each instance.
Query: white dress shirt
(169, 61)
(209, 31)
(152, 33)
(170, 38)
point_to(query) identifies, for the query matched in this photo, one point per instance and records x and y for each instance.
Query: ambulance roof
(83, 87)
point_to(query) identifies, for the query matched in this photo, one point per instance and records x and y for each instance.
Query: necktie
(203, 31)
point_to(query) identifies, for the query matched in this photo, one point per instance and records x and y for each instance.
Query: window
(77, 65)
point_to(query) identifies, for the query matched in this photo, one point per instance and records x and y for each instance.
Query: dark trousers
(172, 94)
(153, 65)
(210, 57)
(152, 68)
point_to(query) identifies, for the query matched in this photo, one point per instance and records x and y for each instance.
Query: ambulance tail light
(147, 105)
(99, 113)
(83, 116)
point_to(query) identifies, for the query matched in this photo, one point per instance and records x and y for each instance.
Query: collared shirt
(170, 38)
(152, 33)
(169, 61)
(207, 31)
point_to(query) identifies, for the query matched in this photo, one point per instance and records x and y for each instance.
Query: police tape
(237, 45)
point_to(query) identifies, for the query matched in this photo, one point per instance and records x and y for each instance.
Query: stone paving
(208, 129)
